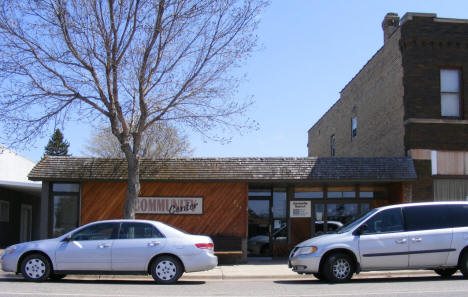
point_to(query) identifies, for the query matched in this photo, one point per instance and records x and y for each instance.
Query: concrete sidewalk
(254, 269)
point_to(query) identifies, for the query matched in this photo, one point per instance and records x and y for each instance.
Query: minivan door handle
(401, 241)
(416, 239)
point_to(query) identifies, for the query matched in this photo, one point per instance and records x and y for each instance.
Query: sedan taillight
(208, 246)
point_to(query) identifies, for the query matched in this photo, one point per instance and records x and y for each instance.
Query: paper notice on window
(300, 209)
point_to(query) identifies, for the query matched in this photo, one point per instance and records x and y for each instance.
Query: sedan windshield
(356, 222)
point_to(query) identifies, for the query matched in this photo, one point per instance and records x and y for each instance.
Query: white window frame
(447, 91)
(4, 217)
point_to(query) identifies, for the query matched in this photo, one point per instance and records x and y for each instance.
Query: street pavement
(256, 278)
(255, 269)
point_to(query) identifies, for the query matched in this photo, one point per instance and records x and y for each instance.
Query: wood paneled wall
(224, 205)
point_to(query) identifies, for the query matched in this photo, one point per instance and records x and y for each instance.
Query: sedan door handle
(104, 245)
(416, 239)
(401, 241)
(154, 243)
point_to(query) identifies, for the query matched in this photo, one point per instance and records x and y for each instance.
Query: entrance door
(26, 222)
(259, 243)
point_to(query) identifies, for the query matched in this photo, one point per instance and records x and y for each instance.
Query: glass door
(259, 242)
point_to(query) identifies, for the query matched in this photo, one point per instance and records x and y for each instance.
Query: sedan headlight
(305, 250)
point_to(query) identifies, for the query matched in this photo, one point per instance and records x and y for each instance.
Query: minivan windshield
(356, 222)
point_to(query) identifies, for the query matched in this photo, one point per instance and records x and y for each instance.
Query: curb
(220, 277)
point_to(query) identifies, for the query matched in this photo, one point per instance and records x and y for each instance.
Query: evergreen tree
(57, 145)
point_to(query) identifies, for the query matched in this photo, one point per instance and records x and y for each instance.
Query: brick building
(408, 100)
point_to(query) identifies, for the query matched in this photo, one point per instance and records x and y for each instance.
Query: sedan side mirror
(68, 238)
(361, 230)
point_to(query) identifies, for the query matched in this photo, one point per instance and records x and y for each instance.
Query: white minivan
(432, 235)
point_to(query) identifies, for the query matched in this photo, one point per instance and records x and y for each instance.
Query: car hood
(322, 240)
(36, 242)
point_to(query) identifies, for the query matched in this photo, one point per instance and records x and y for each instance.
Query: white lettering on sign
(169, 205)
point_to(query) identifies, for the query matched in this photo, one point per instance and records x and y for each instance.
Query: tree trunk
(133, 185)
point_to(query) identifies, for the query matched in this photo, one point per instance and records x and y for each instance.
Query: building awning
(24, 187)
(385, 169)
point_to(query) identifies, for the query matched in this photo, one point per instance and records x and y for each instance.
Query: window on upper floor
(332, 145)
(450, 92)
(353, 128)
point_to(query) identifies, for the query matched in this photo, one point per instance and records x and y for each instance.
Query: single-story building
(249, 206)
(19, 199)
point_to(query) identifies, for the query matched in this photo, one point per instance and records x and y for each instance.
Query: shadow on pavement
(371, 280)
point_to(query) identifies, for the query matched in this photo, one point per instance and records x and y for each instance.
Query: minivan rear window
(459, 215)
(426, 217)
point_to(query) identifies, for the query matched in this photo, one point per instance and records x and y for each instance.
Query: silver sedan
(113, 247)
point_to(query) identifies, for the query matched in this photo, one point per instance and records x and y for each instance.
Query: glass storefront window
(259, 193)
(349, 194)
(65, 214)
(66, 207)
(335, 194)
(73, 188)
(279, 205)
(341, 192)
(344, 194)
(365, 207)
(308, 193)
(342, 212)
(280, 230)
(319, 209)
(366, 194)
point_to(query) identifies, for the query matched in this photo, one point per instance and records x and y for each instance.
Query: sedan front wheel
(35, 268)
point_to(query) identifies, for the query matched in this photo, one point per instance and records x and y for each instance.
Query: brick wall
(374, 96)
(427, 46)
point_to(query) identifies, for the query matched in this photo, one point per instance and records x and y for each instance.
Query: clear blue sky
(310, 50)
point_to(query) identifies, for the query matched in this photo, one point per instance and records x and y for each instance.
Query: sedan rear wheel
(166, 270)
(35, 267)
(445, 272)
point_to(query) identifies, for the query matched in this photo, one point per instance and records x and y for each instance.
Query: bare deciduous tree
(158, 141)
(128, 63)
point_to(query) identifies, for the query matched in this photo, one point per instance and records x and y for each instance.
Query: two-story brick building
(408, 100)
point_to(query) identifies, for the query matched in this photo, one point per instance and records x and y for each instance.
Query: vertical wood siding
(224, 205)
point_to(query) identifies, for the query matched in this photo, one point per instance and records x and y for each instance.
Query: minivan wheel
(464, 265)
(338, 268)
(166, 270)
(445, 272)
(35, 268)
(319, 276)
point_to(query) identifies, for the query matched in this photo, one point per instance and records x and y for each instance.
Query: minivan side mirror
(361, 230)
(68, 238)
